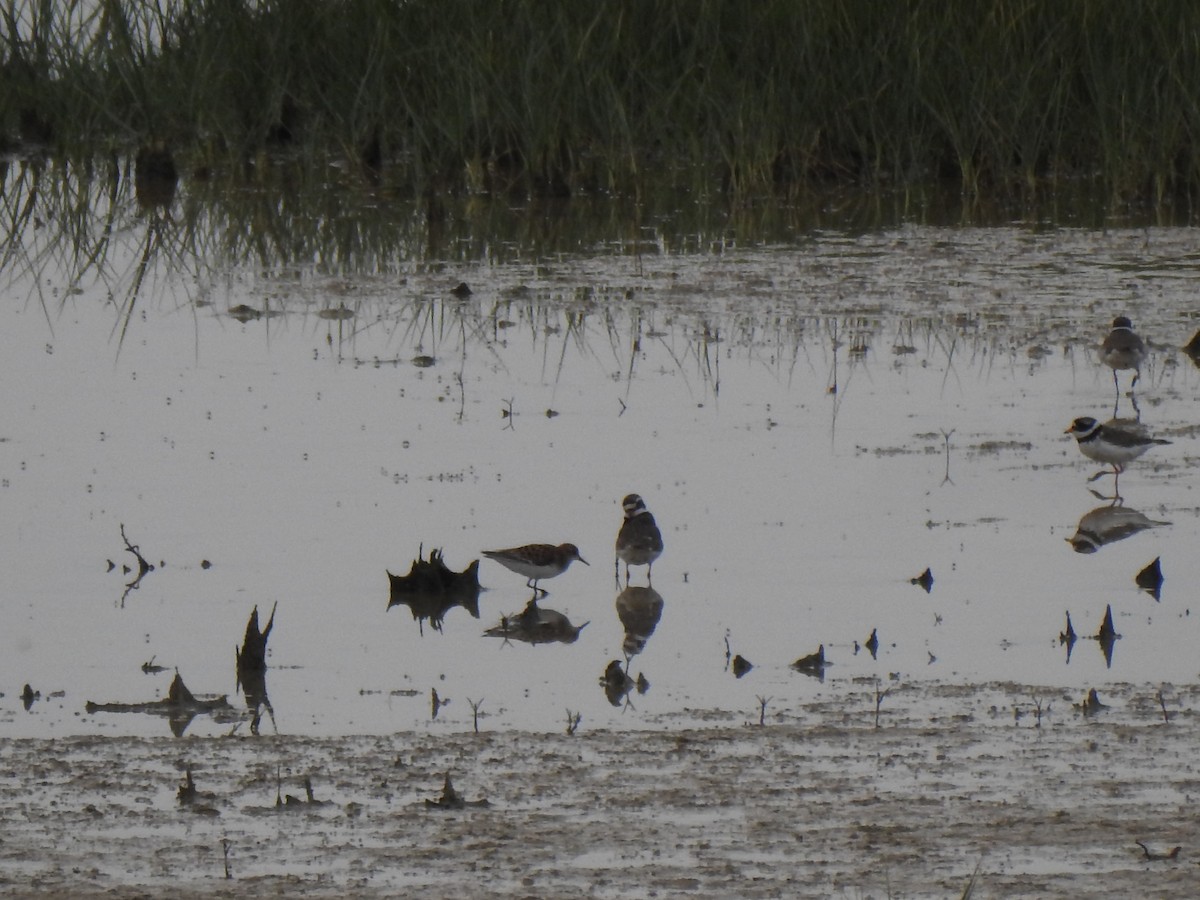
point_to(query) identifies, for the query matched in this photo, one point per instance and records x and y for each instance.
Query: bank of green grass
(1005, 96)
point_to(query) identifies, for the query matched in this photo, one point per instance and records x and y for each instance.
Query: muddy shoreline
(815, 803)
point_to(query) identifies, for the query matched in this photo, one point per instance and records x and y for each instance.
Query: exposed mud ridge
(821, 804)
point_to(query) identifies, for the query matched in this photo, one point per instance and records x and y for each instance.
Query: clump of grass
(1004, 96)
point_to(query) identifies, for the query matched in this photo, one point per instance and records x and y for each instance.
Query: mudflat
(1015, 785)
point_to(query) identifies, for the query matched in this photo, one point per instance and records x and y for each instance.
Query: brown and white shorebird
(537, 561)
(1123, 349)
(639, 542)
(1117, 442)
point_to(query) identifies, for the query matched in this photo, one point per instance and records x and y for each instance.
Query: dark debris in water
(180, 706)
(451, 799)
(924, 580)
(1150, 579)
(814, 664)
(431, 589)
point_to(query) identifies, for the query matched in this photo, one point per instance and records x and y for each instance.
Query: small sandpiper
(537, 561)
(1117, 442)
(1123, 349)
(639, 542)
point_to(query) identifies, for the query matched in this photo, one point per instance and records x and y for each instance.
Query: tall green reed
(1004, 96)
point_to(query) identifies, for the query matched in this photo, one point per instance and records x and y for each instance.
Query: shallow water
(813, 423)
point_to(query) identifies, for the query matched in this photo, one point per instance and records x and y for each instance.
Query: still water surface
(813, 422)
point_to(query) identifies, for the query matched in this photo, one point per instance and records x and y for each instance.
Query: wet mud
(1021, 786)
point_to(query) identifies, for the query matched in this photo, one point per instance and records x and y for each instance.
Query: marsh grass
(1003, 96)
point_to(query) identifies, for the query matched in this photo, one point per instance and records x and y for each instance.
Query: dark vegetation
(1001, 97)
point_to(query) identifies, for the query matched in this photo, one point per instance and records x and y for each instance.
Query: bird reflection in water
(1108, 524)
(618, 683)
(535, 625)
(639, 609)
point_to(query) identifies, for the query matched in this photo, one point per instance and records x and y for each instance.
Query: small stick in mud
(762, 709)
(1150, 855)
(879, 695)
(475, 704)
(1162, 704)
(225, 844)
(573, 720)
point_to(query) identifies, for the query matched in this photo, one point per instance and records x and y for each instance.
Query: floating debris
(143, 567)
(180, 706)
(814, 664)
(244, 313)
(252, 657)
(252, 668)
(1091, 703)
(431, 589)
(436, 702)
(291, 802)
(1150, 579)
(1192, 348)
(199, 802)
(339, 313)
(1107, 636)
(925, 580)
(872, 643)
(1068, 637)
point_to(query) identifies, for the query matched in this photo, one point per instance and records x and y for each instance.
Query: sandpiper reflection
(535, 625)
(1108, 524)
